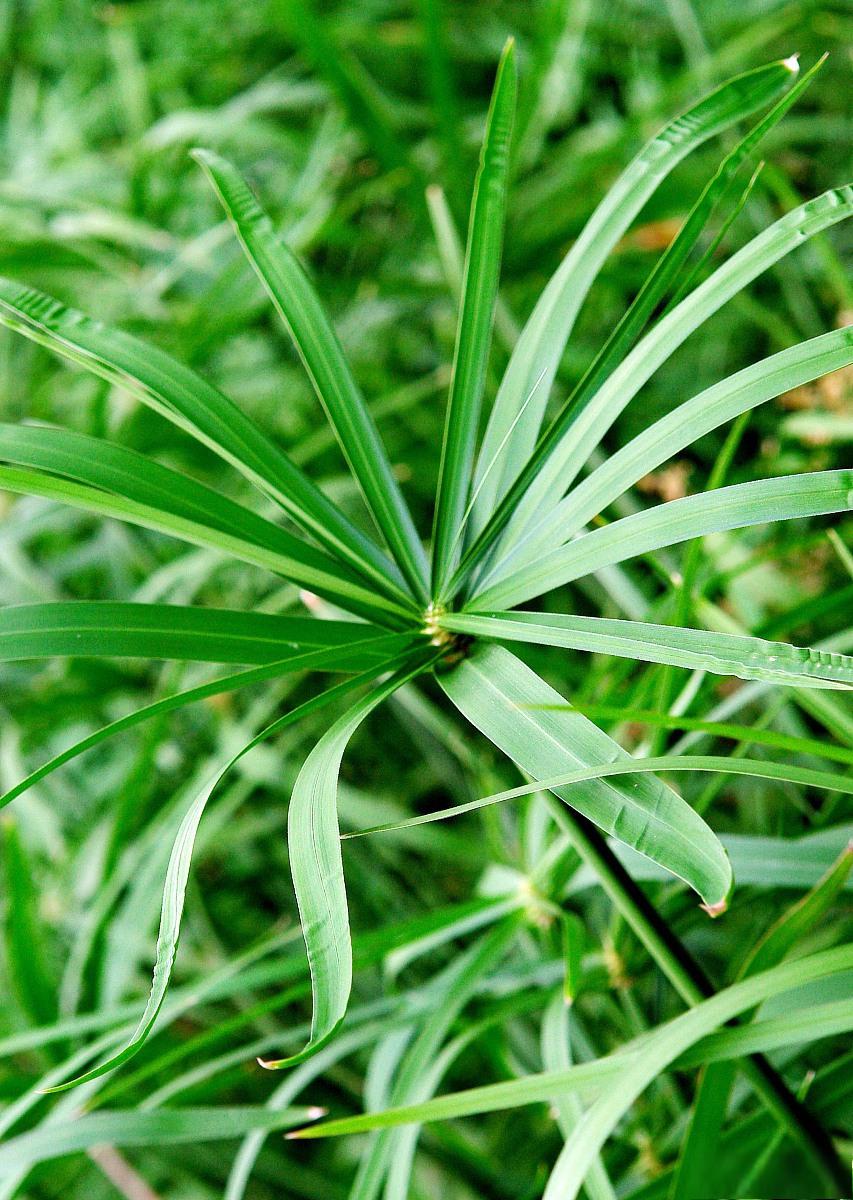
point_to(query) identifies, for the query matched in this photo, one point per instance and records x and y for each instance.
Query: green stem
(692, 984)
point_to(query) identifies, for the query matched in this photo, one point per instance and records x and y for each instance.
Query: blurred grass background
(342, 114)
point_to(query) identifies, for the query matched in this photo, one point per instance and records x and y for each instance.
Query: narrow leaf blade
(302, 313)
(476, 315)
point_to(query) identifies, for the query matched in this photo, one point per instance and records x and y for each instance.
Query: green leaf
(800, 918)
(414, 1078)
(757, 767)
(314, 850)
(135, 477)
(301, 311)
(355, 656)
(666, 270)
(177, 874)
(661, 1048)
(694, 649)
(711, 1104)
(161, 1127)
(476, 316)
(687, 423)
(504, 699)
(565, 447)
(24, 941)
(165, 631)
(701, 1144)
(628, 1070)
(544, 338)
(300, 564)
(183, 397)
(556, 1055)
(733, 507)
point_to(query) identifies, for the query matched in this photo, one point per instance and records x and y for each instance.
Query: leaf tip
(792, 63)
(314, 1113)
(717, 909)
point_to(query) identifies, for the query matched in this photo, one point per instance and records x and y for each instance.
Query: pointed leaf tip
(792, 62)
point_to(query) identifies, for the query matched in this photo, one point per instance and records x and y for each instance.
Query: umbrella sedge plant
(519, 513)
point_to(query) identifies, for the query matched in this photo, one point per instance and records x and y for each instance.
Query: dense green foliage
(526, 946)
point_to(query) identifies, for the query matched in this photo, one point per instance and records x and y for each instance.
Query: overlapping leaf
(523, 716)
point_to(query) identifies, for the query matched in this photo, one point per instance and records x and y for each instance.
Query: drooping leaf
(509, 703)
(313, 839)
(177, 874)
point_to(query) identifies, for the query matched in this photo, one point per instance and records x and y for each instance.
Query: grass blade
(503, 698)
(758, 768)
(180, 395)
(545, 335)
(781, 938)
(476, 315)
(556, 1046)
(660, 1049)
(733, 507)
(25, 946)
(695, 649)
(298, 306)
(161, 1127)
(391, 1153)
(712, 1097)
(679, 1041)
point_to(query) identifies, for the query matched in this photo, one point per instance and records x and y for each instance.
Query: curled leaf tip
(715, 910)
(792, 62)
(269, 1064)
